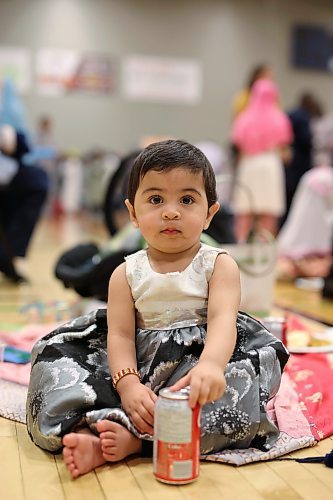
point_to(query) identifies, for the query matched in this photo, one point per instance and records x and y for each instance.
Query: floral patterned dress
(70, 384)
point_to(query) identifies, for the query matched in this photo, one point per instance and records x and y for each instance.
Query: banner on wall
(62, 71)
(162, 79)
(15, 63)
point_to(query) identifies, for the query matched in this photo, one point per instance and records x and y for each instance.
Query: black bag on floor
(87, 268)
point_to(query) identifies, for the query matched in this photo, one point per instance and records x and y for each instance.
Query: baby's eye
(155, 200)
(187, 200)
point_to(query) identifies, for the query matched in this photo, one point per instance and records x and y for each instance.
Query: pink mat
(14, 378)
(24, 338)
(295, 432)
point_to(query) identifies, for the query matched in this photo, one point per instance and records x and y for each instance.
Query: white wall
(228, 37)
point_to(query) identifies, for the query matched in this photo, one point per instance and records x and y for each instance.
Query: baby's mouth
(170, 230)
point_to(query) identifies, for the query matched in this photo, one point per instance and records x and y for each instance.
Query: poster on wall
(15, 63)
(61, 71)
(162, 79)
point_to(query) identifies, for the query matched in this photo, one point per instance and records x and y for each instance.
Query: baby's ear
(211, 212)
(131, 212)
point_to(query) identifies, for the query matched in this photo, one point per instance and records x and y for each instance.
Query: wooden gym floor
(29, 473)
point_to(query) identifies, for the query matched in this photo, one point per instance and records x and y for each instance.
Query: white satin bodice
(171, 300)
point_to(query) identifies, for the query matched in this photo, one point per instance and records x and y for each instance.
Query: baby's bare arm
(121, 323)
(137, 399)
(206, 379)
(223, 306)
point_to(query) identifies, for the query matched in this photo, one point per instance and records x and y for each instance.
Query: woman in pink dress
(262, 132)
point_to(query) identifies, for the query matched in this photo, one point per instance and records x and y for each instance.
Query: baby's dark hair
(165, 156)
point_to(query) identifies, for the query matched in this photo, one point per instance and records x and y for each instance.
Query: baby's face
(171, 209)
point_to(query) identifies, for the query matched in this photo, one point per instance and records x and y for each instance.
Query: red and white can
(176, 454)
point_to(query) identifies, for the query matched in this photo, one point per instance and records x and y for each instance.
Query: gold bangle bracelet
(122, 373)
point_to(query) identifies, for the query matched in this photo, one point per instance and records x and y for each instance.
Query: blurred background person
(305, 240)
(262, 132)
(23, 196)
(302, 118)
(322, 128)
(44, 133)
(47, 156)
(241, 100)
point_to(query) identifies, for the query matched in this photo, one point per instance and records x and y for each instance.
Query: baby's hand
(206, 381)
(138, 402)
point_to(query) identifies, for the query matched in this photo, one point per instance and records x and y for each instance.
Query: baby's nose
(171, 213)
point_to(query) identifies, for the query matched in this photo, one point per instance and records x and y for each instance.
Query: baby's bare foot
(116, 441)
(82, 453)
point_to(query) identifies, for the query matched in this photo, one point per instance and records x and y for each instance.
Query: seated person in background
(23, 193)
(20, 202)
(305, 240)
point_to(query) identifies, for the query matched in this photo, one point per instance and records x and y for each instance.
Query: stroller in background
(87, 267)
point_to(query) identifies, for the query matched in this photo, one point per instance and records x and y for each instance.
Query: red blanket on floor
(302, 409)
(312, 379)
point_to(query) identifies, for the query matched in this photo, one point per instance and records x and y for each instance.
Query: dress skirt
(260, 185)
(70, 384)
